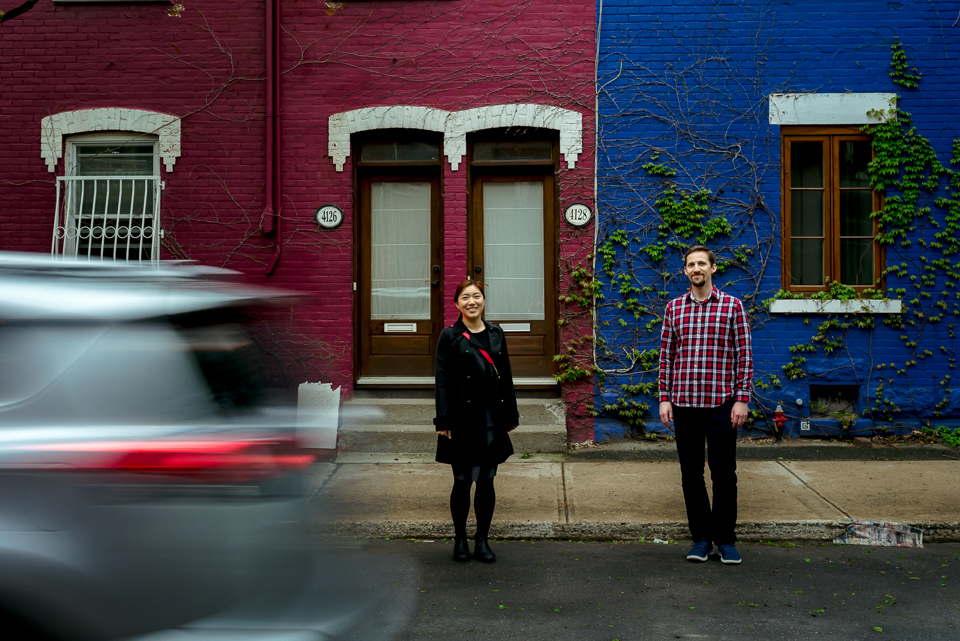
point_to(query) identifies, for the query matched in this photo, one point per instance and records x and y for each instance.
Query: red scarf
(485, 355)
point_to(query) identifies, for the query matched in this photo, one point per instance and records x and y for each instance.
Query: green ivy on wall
(919, 224)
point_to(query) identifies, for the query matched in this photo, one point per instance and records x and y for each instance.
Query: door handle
(478, 269)
(435, 283)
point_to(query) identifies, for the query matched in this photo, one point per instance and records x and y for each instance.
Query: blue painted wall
(684, 85)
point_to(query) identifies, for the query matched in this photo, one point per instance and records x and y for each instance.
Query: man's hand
(738, 416)
(510, 429)
(444, 433)
(666, 413)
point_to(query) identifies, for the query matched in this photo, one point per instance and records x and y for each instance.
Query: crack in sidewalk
(317, 482)
(809, 487)
(563, 484)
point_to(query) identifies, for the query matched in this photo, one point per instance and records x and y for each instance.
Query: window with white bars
(108, 204)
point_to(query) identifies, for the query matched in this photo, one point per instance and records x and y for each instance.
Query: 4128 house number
(329, 216)
(578, 214)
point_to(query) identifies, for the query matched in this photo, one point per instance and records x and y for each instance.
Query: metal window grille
(114, 217)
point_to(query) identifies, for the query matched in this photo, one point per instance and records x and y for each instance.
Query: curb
(773, 452)
(818, 531)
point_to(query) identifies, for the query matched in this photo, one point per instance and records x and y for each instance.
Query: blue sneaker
(700, 551)
(729, 554)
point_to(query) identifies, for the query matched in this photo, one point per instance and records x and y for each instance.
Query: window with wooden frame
(829, 233)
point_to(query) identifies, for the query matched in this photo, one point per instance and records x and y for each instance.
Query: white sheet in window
(400, 251)
(513, 250)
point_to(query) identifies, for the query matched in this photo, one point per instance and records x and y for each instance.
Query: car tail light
(209, 460)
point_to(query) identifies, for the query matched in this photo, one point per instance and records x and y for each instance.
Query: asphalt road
(626, 591)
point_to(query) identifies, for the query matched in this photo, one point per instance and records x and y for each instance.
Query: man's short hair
(700, 248)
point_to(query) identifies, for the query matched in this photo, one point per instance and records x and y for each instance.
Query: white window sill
(807, 306)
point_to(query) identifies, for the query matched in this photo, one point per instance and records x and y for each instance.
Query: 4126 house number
(578, 214)
(329, 216)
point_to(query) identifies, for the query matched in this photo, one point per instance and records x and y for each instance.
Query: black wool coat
(466, 386)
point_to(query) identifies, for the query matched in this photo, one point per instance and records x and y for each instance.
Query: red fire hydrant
(779, 419)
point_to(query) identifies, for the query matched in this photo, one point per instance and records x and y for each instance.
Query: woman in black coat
(476, 407)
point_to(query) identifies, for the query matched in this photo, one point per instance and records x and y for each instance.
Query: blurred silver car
(144, 481)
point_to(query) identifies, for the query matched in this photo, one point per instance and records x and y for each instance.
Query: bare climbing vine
(385, 51)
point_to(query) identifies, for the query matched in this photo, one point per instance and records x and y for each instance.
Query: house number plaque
(329, 216)
(578, 214)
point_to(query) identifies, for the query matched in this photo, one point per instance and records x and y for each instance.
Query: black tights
(484, 500)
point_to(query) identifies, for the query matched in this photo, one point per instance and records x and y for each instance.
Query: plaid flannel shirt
(705, 352)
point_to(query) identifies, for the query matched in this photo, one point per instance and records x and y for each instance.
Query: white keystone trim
(54, 128)
(808, 306)
(831, 108)
(455, 125)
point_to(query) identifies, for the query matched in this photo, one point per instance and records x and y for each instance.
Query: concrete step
(420, 411)
(408, 439)
(404, 426)
(383, 458)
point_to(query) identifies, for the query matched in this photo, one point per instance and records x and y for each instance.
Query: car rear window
(228, 358)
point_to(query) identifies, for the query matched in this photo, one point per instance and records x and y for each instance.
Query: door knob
(436, 269)
(478, 269)
(435, 283)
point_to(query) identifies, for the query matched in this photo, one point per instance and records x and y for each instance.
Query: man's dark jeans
(693, 427)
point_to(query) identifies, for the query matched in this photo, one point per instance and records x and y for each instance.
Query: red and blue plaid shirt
(705, 352)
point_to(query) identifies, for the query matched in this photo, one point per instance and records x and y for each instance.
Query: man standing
(706, 366)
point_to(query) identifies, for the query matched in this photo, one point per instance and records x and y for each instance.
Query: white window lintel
(831, 108)
(455, 125)
(54, 128)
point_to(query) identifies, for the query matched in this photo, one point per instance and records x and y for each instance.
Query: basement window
(829, 401)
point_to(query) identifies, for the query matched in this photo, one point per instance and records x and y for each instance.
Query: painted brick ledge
(933, 531)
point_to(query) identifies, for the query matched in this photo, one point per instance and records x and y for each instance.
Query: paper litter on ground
(885, 533)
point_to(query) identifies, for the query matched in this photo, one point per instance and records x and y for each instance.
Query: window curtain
(513, 250)
(400, 250)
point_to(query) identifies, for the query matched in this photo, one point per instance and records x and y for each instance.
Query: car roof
(40, 287)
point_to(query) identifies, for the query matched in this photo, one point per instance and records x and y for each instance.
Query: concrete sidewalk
(563, 498)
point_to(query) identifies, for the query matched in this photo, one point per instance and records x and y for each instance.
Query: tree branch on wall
(13, 13)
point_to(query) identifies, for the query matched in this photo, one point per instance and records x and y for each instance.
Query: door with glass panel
(399, 287)
(512, 251)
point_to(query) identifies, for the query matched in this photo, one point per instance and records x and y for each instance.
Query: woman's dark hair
(462, 286)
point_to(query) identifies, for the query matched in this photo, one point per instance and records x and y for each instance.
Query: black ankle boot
(482, 551)
(461, 549)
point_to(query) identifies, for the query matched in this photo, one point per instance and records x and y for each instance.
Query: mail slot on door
(399, 327)
(515, 327)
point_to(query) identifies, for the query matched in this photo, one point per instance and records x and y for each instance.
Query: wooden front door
(399, 276)
(512, 251)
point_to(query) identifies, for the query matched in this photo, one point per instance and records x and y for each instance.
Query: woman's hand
(510, 429)
(444, 433)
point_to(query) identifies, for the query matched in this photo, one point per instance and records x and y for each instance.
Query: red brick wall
(208, 67)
